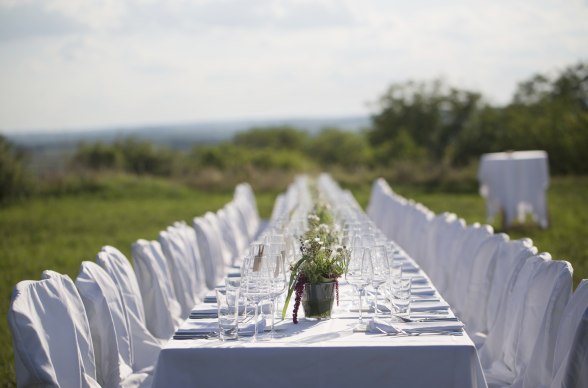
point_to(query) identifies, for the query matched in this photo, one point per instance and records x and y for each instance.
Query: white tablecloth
(515, 182)
(323, 354)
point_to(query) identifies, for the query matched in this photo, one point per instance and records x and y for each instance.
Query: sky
(86, 64)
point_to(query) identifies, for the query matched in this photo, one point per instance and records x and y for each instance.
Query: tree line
(418, 124)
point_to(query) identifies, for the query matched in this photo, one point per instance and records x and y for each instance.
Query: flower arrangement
(323, 259)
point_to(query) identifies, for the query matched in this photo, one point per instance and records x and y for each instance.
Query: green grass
(61, 231)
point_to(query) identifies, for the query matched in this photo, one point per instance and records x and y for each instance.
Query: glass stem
(360, 307)
(255, 322)
(375, 302)
(273, 313)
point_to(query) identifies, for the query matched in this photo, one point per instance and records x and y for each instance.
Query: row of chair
(108, 327)
(516, 303)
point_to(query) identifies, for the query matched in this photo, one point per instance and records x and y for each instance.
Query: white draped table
(515, 182)
(322, 354)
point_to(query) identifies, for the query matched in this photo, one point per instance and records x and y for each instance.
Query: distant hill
(47, 152)
(179, 136)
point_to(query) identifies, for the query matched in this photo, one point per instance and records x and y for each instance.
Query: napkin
(416, 305)
(421, 291)
(205, 310)
(205, 326)
(376, 325)
(209, 310)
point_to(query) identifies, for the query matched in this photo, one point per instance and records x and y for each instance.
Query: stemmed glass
(276, 267)
(256, 282)
(380, 272)
(358, 275)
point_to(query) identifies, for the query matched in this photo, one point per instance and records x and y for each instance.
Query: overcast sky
(76, 64)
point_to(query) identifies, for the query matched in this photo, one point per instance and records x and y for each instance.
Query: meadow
(58, 232)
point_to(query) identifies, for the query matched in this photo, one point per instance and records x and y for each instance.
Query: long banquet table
(324, 353)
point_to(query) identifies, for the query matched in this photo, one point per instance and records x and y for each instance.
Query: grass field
(59, 232)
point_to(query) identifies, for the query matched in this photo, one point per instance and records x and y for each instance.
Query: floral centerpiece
(314, 277)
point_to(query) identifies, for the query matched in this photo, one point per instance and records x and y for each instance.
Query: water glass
(228, 313)
(400, 296)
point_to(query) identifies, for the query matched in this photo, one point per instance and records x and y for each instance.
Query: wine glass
(380, 272)
(358, 275)
(255, 282)
(276, 267)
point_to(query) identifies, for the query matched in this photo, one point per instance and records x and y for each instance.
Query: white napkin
(422, 291)
(376, 325)
(416, 305)
(204, 310)
(204, 326)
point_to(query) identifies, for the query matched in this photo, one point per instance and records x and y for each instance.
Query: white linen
(109, 328)
(162, 311)
(377, 325)
(515, 182)
(51, 335)
(181, 268)
(210, 254)
(328, 353)
(145, 346)
(565, 342)
(532, 310)
(478, 289)
(510, 258)
(576, 368)
(465, 258)
(543, 311)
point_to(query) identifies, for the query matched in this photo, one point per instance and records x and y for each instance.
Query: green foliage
(14, 180)
(332, 146)
(276, 138)
(549, 113)
(421, 116)
(129, 155)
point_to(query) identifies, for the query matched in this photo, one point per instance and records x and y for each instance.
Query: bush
(14, 180)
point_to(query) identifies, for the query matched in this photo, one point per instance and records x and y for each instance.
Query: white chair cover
(163, 313)
(573, 315)
(181, 268)
(541, 323)
(460, 268)
(239, 226)
(509, 260)
(51, 335)
(145, 346)
(189, 236)
(209, 252)
(478, 289)
(109, 327)
(497, 353)
(228, 234)
(245, 200)
(447, 233)
(214, 223)
(437, 224)
(531, 322)
(576, 371)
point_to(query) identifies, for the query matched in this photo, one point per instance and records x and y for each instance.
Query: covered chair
(531, 310)
(210, 252)
(570, 354)
(51, 336)
(145, 346)
(182, 268)
(163, 313)
(110, 329)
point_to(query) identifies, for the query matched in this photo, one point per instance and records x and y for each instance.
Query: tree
(14, 180)
(431, 114)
